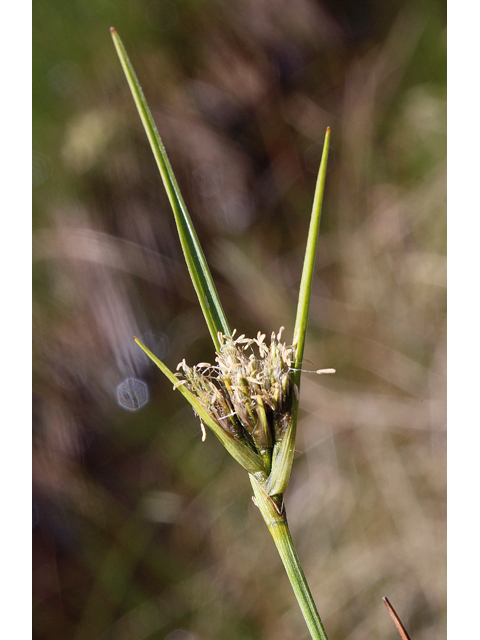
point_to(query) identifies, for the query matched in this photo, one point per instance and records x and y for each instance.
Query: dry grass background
(140, 529)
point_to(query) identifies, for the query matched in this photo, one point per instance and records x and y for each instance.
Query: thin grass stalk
(276, 520)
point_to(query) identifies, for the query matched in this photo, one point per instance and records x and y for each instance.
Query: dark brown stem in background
(398, 623)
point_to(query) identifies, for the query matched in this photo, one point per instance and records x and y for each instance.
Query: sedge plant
(249, 397)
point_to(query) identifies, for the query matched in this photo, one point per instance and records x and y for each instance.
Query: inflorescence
(249, 391)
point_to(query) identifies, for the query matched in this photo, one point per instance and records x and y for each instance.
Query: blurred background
(140, 529)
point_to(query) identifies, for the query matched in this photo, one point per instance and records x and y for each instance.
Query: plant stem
(284, 543)
(276, 521)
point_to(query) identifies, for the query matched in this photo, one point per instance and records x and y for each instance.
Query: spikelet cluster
(248, 391)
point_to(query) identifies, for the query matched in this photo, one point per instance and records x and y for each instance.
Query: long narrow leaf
(303, 305)
(284, 450)
(197, 265)
(249, 459)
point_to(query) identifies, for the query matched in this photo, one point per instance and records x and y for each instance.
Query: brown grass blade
(398, 623)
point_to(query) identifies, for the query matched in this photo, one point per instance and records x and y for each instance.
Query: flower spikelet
(248, 391)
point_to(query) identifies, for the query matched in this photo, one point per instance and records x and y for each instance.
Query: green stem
(276, 521)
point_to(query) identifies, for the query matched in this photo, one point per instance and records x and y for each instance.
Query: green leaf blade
(303, 305)
(197, 265)
(285, 450)
(249, 459)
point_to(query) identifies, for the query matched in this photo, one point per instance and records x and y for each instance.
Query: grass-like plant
(249, 397)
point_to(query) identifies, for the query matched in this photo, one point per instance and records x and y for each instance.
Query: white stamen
(178, 384)
(318, 371)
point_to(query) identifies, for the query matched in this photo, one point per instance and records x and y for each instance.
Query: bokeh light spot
(157, 342)
(132, 394)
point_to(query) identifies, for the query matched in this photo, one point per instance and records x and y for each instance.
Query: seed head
(249, 390)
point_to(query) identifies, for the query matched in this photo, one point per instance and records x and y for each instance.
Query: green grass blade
(284, 450)
(303, 305)
(196, 263)
(249, 459)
